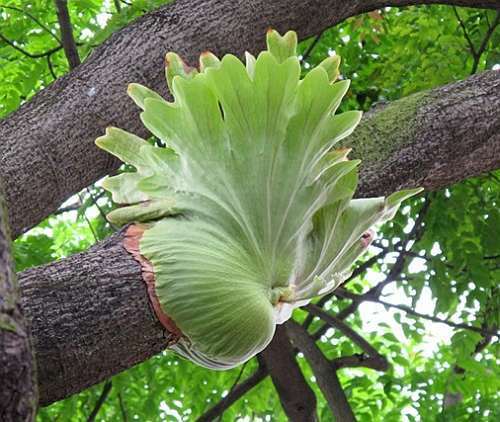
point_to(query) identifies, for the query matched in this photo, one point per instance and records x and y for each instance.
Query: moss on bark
(386, 129)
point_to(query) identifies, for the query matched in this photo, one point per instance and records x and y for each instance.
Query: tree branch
(466, 34)
(411, 311)
(27, 53)
(239, 391)
(484, 43)
(361, 360)
(297, 398)
(18, 396)
(58, 158)
(34, 19)
(90, 318)
(100, 401)
(348, 332)
(325, 373)
(68, 41)
(415, 141)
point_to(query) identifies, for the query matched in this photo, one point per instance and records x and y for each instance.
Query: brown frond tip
(367, 238)
(133, 235)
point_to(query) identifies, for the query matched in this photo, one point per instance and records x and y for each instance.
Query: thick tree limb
(90, 318)
(297, 398)
(325, 373)
(431, 139)
(47, 150)
(18, 399)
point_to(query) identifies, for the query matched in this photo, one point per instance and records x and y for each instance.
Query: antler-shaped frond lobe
(175, 66)
(282, 47)
(152, 185)
(264, 212)
(140, 93)
(331, 65)
(208, 60)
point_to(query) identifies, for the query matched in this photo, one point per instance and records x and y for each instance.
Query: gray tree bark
(90, 318)
(430, 139)
(18, 399)
(47, 150)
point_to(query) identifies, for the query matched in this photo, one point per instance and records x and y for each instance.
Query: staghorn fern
(249, 210)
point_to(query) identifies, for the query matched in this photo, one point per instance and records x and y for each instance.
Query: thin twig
(100, 401)
(68, 41)
(484, 43)
(101, 212)
(240, 390)
(235, 383)
(237, 380)
(367, 297)
(360, 269)
(123, 411)
(118, 6)
(411, 311)
(466, 34)
(309, 50)
(51, 68)
(94, 234)
(72, 207)
(344, 329)
(27, 53)
(34, 19)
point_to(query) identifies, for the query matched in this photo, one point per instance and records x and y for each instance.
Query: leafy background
(440, 257)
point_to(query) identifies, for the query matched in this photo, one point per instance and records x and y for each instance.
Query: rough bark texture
(47, 150)
(432, 138)
(90, 318)
(297, 398)
(18, 400)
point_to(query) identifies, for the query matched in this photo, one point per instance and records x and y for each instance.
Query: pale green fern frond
(264, 215)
